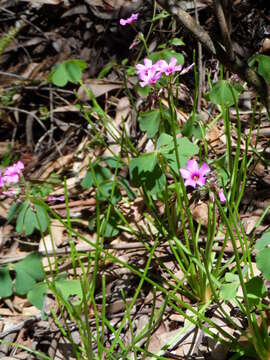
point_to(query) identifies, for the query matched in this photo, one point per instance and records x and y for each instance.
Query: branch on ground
(223, 52)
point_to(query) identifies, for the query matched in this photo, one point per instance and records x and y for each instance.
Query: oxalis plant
(174, 173)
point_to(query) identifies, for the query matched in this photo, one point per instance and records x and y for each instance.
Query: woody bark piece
(236, 65)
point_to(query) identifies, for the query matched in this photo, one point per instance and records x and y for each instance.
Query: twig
(19, 326)
(200, 70)
(224, 29)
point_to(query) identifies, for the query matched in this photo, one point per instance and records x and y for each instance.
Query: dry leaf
(199, 211)
(98, 87)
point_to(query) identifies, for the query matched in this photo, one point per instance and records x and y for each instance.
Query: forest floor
(43, 126)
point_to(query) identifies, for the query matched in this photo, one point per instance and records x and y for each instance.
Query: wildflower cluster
(11, 177)
(150, 73)
(194, 176)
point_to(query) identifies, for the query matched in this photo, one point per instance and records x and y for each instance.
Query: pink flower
(129, 20)
(221, 196)
(12, 173)
(194, 175)
(170, 68)
(151, 78)
(148, 73)
(143, 70)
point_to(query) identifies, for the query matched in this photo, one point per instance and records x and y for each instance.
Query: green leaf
(109, 228)
(229, 291)
(264, 66)
(101, 174)
(28, 271)
(149, 122)
(20, 218)
(256, 290)
(6, 284)
(144, 170)
(37, 294)
(191, 127)
(14, 209)
(263, 242)
(24, 282)
(67, 71)
(165, 142)
(221, 93)
(141, 165)
(70, 288)
(41, 218)
(167, 55)
(176, 42)
(31, 265)
(29, 222)
(263, 263)
(105, 190)
(112, 161)
(186, 149)
(162, 15)
(155, 181)
(143, 91)
(230, 277)
(125, 184)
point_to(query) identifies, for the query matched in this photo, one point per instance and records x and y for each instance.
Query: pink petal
(178, 68)
(139, 67)
(173, 62)
(185, 173)
(192, 166)
(190, 182)
(161, 64)
(201, 181)
(134, 16)
(20, 165)
(148, 62)
(204, 169)
(123, 22)
(221, 196)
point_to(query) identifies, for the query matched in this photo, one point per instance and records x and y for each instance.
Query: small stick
(200, 70)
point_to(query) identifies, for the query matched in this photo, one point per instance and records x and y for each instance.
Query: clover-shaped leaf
(67, 71)
(28, 272)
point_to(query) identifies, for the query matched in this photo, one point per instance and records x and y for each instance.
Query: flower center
(195, 177)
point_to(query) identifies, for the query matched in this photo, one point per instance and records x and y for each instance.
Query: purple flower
(221, 196)
(129, 20)
(194, 175)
